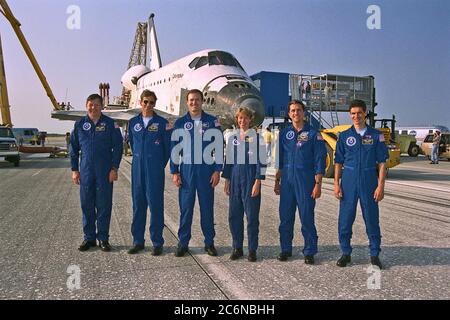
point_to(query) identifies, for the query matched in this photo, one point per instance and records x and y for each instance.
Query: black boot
(344, 260)
(85, 245)
(105, 246)
(181, 251)
(136, 248)
(236, 254)
(283, 256)
(210, 250)
(252, 256)
(157, 251)
(309, 259)
(376, 262)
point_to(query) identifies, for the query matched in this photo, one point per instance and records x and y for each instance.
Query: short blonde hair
(246, 111)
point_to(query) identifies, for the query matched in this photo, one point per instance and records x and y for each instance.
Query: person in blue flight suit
(298, 181)
(194, 174)
(99, 139)
(360, 152)
(149, 137)
(243, 170)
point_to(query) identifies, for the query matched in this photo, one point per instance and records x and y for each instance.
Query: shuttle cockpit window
(203, 61)
(223, 58)
(193, 63)
(198, 62)
(215, 58)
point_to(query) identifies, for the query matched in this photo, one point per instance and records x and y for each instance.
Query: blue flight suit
(195, 178)
(151, 150)
(101, 150)
(243, 165)
(360, 157)
(302, 155)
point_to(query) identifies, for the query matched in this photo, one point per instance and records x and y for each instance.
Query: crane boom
(4, 102)
(6, 11)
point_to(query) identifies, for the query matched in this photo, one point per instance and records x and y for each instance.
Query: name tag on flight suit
(301, 138)
(100, 127)
(366, 140)
(153, 127)
(205, 125)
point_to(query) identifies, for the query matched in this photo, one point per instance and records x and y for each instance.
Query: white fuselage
(171, 82)
(217, 74)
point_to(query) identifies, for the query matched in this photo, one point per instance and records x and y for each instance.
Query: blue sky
(409, 56)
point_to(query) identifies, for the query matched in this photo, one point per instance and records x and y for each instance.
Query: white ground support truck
(9, 150)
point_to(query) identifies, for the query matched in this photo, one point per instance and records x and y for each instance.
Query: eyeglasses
(149, 102)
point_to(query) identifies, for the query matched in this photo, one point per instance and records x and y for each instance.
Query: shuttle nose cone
(257, 106)
(233, 95)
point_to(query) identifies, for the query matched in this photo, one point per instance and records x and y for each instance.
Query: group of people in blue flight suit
(360, 171)
(195, 166)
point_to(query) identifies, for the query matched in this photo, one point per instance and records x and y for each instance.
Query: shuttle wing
(68, 115)
(118, 115)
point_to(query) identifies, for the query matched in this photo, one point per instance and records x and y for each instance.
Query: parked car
(9, 149)
(444, 146)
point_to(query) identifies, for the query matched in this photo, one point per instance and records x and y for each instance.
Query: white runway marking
(424, 169)
(37, 173)
(419, 185)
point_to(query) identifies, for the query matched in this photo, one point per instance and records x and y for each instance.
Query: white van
(27, 135)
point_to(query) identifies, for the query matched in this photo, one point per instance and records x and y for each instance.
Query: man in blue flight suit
(193, 174)
(360, 152)
(302, 156)
(99, 139)
(149, 137)
(244, 169)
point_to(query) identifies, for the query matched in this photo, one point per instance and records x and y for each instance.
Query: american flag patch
(169, 126)
(116, 125)
(382, 138)
(217, 123)
(319, 137)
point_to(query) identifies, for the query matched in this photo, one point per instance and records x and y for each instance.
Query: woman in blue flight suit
(243, 171)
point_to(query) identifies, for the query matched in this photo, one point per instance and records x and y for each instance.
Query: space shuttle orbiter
(218, 74)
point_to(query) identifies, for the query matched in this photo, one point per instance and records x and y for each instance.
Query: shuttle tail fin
(155, 57)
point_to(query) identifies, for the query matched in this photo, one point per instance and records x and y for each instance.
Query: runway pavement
(40, 230)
